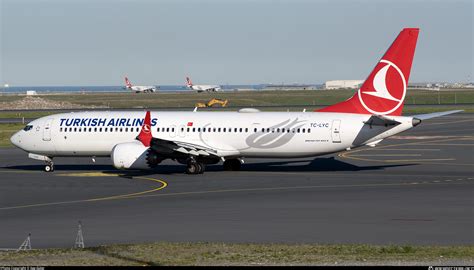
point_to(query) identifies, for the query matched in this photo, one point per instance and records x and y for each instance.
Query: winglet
(145, 133)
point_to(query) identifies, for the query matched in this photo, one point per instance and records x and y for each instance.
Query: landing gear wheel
(232, 165)
(202, 167)
(192, 168)
(49, 168)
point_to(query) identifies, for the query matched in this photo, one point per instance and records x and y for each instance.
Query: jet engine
(134, 155)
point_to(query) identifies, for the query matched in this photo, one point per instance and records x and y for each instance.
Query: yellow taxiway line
(115, 197)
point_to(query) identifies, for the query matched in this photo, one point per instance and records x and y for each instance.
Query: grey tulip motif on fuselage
(273, 139)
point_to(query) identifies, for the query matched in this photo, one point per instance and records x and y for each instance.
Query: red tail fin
(188, 82)
(127, 82)
(383, 92)
(145, 133)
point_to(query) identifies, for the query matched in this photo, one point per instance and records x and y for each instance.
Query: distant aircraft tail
(189, 83)
(383, 92)
(127, 83)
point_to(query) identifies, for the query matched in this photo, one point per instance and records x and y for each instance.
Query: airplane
(142, 140)
(139, 89)
(202, 88)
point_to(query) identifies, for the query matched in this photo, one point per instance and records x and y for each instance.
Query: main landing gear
(232, 165)
(195, 167)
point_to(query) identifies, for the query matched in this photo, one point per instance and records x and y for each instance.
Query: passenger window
(304, 130)
(219, 130)
(223, 130)
(194, 129)
(246, 130)
(187, 129)
(158, 129)
(240, 130)
(121, 129)
(255, 130)
(298, 130)
(199, 129)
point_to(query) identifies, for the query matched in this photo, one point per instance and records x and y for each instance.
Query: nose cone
(16, 139)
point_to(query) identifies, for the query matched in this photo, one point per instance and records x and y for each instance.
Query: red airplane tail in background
(383, 92)
(189, 83)
(127, 83)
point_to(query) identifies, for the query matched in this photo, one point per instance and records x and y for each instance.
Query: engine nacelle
(132, 155)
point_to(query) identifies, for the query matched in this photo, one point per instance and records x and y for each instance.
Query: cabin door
(336, 131)
(47, 130)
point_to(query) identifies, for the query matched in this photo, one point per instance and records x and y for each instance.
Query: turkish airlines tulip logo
(388, 89)
(146, 128)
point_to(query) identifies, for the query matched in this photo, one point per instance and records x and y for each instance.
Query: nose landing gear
(49, 167)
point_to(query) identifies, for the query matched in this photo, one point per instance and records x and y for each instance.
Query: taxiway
(415, 188)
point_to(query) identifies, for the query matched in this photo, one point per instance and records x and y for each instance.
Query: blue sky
(97, 42)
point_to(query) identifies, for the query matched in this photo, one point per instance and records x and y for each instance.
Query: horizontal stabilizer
(436, 114)
(379, 120)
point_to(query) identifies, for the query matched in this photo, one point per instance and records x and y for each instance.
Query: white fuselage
(231, 134)
(138, 88)
(202, 88)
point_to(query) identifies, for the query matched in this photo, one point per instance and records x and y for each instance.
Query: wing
(179, 149)
(176, 149)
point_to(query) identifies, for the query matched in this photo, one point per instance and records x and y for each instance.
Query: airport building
(290, 87)
(343, 84)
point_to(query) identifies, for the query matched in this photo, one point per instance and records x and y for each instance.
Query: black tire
(192, 168)
(232, 165)
(48, 168)
(202, 167)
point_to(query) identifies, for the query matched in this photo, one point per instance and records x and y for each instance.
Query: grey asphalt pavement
(416, 188)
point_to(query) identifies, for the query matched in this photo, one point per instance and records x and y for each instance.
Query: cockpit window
(28, 127)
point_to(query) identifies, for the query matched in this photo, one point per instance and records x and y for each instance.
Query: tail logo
(146, 128)
(386, 91)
